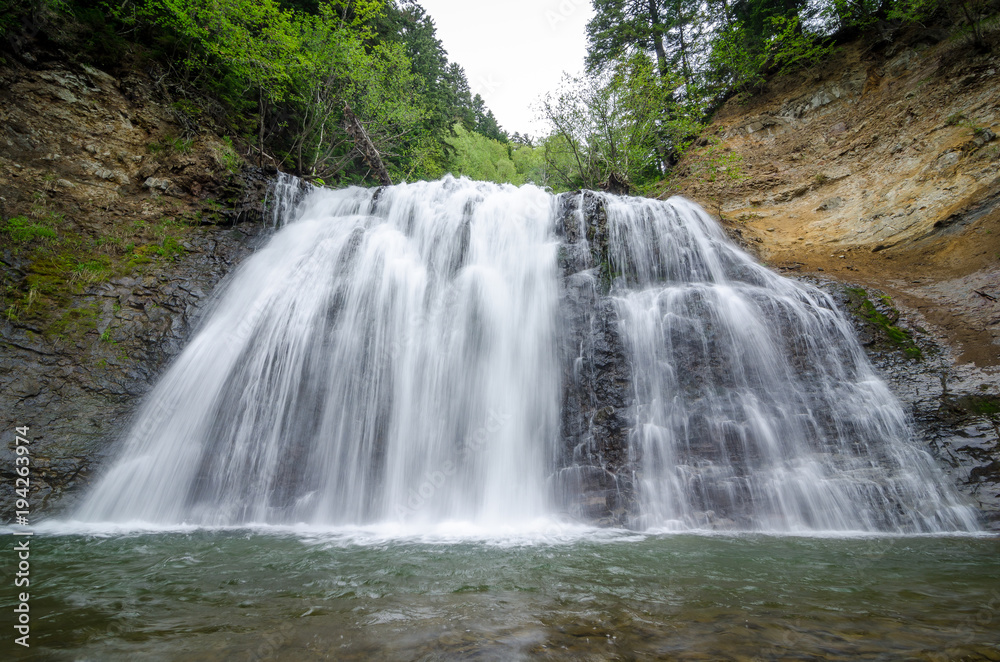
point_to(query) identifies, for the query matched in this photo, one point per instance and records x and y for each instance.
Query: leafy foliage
(722, 47)
(479, 157)
(706, 51)
(734, 64)
(613, 129)
(793, 48)
(281, 76)
(300, 70)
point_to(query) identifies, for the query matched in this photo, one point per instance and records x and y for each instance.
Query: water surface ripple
(255, 594)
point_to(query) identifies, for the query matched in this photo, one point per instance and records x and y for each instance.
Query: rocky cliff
(117, 222)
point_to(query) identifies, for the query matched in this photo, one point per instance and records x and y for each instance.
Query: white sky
(513, 51)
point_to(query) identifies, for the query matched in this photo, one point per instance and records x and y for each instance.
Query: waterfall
(756, 407)
(388, 354)
(399, 354)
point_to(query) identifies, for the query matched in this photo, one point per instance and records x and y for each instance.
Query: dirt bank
(880, 167)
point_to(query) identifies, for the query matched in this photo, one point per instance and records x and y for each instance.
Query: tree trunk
(661, 53)
(684, 60)
(260, 138)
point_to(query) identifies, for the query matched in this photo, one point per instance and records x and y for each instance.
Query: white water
(395, 359)
(757, 406)
(365, 365)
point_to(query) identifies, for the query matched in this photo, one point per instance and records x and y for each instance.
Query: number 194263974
(22, 482)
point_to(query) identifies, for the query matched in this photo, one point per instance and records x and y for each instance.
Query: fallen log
(363, 143)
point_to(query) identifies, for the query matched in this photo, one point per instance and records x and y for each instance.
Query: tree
(486, 123)
(756, 17)
(256, 42)
(734, 64)
(482, 158)
(665, 29)
(444, 85)
(620, 27)
(613, 127)
(857, 14)
(684, 40)
(407, 23)
(975, 14)
(309, 73)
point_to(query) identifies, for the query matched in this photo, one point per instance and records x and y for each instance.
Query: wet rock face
(78, 396)
(102, 161)
(956, 415)
(263, 195)
(954, 406)
(594, 477)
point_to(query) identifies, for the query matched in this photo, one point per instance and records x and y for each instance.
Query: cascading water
(757, 408)
(395, 354)
(389, 354)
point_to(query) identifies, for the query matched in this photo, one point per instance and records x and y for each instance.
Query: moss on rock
(882, 318)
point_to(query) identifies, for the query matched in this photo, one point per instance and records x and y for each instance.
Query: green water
(252, 595)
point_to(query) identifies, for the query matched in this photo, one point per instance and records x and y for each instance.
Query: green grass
(179, 145)
(96, 270)
(23, 230)
(169, 247)
(230, 157)
(961, 119)
(60, 261)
